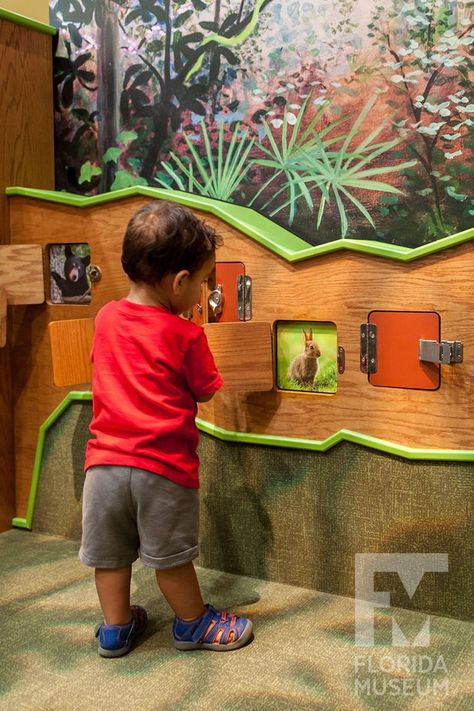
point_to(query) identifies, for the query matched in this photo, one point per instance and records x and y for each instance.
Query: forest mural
(335, 118)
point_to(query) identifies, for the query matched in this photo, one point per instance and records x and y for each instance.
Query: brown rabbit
(304, 367)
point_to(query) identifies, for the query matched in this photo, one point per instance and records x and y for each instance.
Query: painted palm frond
(318, 167)
(219, 172)
(285, 159)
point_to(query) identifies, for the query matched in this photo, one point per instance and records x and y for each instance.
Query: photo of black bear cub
(74, 285)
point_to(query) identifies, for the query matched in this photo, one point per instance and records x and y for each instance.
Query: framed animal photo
(68, 270)
(306, 356)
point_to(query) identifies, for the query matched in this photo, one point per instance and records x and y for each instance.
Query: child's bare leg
(181, 589)
(113, 588)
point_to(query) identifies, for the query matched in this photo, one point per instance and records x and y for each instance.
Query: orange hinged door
(227, 274)
(243, 354)
(398, 337)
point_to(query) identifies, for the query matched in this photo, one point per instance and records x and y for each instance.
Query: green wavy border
(267, 233)
(244, 438)
(26, 22)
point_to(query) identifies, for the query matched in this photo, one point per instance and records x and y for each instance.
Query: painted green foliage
(342, 119)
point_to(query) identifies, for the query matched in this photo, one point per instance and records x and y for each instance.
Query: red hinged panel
(398, 337)
(226, 275)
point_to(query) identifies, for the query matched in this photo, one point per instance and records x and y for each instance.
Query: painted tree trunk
(108, 95)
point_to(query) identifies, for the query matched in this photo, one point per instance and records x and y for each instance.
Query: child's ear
(180, 279)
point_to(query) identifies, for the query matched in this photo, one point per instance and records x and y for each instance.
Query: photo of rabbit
(306, 362)
(304, 367)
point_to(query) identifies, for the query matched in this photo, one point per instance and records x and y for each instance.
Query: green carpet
(303, 655)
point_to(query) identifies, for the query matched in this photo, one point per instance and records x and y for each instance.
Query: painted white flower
(294, 106)
(396, 78)
(320, 100)
(277, 123)
(450, 156)
(291, 118)
(451, 137)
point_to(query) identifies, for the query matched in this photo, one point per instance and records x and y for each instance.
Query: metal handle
(216, 300)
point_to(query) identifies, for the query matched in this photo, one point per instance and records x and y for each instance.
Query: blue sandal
(216, 630)
(116, 640)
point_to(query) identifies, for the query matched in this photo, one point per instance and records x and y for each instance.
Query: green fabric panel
(299, 517)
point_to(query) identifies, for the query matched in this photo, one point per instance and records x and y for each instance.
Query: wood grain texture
(342, 287)
(243, 355)
(71, 344)
(21, 273)
(26, 159)
(3, 317)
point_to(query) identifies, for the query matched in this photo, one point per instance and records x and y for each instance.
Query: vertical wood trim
(27, 159)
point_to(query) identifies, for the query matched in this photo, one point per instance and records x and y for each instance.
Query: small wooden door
(243, 354)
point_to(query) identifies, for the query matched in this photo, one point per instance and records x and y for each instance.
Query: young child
(150, 368)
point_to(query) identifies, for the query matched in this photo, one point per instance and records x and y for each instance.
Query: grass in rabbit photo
(306, 356)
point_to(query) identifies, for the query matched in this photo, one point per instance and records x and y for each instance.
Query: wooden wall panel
(342, 287)
(27, 159)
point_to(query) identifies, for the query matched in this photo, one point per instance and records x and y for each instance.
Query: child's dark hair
(164, 238)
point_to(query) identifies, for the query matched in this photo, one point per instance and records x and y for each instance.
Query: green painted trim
(26, 22)
(340, 436)
(267, 233)
(73, 396)
(245, 438)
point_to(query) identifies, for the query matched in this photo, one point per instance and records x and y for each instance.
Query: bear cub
(75, 283)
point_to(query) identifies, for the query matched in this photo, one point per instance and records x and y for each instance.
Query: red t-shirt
(149, 368)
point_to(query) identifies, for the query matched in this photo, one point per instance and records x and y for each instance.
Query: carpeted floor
(303, 655)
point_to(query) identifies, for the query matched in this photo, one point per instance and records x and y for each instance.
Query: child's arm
(200, 369)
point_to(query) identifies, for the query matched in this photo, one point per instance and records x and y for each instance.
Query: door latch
(444, 352)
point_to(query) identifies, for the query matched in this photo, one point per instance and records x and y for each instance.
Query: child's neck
(147, 295)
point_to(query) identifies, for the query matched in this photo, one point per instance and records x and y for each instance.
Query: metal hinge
(244, 297)
(444, 352)
(368, 348)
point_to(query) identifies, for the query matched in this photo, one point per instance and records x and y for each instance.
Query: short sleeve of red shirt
(200, 369)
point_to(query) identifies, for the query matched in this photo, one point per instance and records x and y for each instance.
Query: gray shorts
(131, 513)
